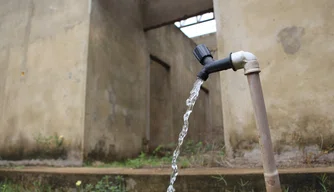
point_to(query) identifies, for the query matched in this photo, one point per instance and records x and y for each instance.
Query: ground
(197, 163)
(157, 179)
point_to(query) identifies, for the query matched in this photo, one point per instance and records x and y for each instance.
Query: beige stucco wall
(74, 81)
(293, 41)
(117, 82)
(172, 47)
(43, 52)
(161, 109)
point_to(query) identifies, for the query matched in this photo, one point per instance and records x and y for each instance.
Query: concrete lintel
(157, 13)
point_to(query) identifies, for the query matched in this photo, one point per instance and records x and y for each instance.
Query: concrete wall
(117, 81)
(43, 51)
(200, 119)
(161, 109)
(75, 81)
(173, 48)
(293, 43)
(160, 12)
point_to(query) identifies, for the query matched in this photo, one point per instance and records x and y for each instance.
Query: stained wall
(293, 42)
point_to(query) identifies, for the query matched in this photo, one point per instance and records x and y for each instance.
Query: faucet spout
(235, 61)
(204, 56)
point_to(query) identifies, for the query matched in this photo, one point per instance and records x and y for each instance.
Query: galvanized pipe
(270, 171)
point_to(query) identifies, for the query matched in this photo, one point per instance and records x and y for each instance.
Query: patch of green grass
(192, 154)
(323, 182)
(39, 187)
(19, 167)
(191, 148)
(141, 161)
(49, 146)
(185, 163)
(8, 186)
(246, 186)
(106, 184)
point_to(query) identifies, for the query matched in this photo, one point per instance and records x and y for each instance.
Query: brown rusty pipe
(252, 69)
(270, 172)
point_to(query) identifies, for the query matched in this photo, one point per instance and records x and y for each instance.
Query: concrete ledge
(159, 13)
(161, 171)
(189, 180)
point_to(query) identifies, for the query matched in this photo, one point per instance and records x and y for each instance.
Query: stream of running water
(190, 104)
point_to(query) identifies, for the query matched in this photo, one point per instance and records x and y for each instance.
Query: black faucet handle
(201, 52)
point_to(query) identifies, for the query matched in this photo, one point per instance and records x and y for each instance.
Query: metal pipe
(251, 66)
(270, 172)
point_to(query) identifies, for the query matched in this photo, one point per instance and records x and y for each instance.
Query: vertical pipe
(270, 171)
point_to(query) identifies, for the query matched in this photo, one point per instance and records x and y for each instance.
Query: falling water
(190, 103)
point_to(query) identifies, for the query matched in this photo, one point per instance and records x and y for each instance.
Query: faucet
(234, 61)
(249, 63)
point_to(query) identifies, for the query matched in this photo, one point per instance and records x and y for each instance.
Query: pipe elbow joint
(240, 58)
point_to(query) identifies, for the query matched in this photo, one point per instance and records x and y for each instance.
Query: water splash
(190, 103)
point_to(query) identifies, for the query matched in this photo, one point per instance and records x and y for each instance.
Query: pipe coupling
(252, 67)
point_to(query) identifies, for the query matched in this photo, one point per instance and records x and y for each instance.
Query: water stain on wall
(42, 148)
(102, 152)
(247, 139)
(290, 38)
